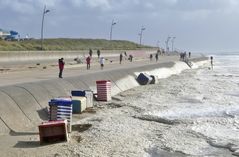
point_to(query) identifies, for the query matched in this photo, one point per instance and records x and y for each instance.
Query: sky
(198, 25)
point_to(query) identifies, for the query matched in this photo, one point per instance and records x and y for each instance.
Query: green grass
(62, 44)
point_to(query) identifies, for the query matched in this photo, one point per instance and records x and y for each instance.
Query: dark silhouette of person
(211, 58)
(121, 58)
(131, 58)
(125, 55)
(88, 62)
(98, 53)
(90, 52)
(189, 54)
(61, 64)
(151, 57)
(156, 57)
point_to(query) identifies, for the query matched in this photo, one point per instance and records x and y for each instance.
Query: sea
(202, 105)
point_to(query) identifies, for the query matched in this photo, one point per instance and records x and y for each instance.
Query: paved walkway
(32, 73)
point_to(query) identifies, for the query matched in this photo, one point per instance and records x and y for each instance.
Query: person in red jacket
(61, 64)
(88, 62)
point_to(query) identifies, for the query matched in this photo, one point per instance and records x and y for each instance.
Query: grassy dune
(68, 44)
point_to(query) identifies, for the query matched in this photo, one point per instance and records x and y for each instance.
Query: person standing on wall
(211, 58)
(61, 64)
(88, 62)
(121, 58)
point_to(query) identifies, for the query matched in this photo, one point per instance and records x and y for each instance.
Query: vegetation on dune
(61, 44)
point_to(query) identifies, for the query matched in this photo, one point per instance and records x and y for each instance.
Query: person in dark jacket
(61, 64)
(98, 53)
(211, 58)
(90, 52)
(151, 57)
(88, 62)
(121, 58)
(156, 57)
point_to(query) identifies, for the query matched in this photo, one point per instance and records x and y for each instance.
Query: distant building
(4, 34)
(8, 35)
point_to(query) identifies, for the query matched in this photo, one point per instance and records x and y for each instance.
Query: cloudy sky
(198, 25)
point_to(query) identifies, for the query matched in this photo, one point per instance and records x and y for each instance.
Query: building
(4, 34)
(8, 35)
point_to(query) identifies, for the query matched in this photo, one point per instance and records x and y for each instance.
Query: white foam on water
(202, 107)
(189, 112)
(166, 72)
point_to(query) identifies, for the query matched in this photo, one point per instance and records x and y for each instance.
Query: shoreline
(40, 90)
(29, 100)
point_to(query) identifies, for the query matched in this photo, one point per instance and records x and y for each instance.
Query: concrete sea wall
(24, 106)
(22, 56)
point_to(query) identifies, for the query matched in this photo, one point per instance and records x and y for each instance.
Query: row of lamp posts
(140, 34)
(167, 43)
(45, 11)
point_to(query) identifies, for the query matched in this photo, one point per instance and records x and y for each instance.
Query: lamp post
(173, 43)
(111, 28)
(141, 34)
(45, 11)
(167, 48)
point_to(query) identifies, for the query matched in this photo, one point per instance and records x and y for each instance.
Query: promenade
(21, 73)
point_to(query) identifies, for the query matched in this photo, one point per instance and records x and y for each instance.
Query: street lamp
(166, 42)
(141, 34)
(173, 43)
(111, 28)
(45, 11)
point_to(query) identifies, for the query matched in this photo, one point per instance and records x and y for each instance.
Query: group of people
(183, 55)
(101, 61)
(88, 60)
(185, 58)
(156, 56)
(61, 62)
(161, 51)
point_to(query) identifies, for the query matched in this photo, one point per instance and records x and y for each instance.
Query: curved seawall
(24, 106)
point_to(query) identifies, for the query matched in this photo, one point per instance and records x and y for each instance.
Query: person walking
(102, 62)
(151, 57)
(88, 62)
(156, 57)
(189, 54)
(90, 52)
(98, 53)
(121, 58)
(131, 58)
(61, 64)
(125, 55)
